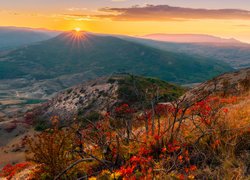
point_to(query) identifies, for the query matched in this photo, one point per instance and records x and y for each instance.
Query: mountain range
(230, 51)
(189, 38)
(89, 55)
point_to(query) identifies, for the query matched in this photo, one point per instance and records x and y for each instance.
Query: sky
(224, 18)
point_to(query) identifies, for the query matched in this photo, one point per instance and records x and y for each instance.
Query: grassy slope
(134, 89)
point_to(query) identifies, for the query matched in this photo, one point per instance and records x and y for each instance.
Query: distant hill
(12, 37)
(72, 52)
(189, 38)
(235, 54)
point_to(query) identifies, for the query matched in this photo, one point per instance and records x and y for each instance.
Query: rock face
(98, 95)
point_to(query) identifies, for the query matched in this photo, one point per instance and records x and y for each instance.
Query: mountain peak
(73, 34)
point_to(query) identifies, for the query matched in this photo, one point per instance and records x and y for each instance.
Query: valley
(36, 72)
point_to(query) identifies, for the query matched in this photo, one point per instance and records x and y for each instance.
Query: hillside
(96, 97)
(89, 100)
(235, 54)
(187, 138)
(72, 52)
(228, 84)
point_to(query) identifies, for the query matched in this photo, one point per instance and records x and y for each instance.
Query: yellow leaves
(107, 174)
(115, 175)
(191, 176)
(92, 178)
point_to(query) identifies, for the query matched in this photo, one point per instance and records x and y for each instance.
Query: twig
(71, 166)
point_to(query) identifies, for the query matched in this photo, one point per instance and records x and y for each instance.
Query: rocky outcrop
(97, 95)
(233, 83)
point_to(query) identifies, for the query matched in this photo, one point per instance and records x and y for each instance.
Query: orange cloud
(166, 13)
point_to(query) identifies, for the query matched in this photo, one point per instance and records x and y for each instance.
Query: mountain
(235, 54)
(189, 38)
(74, 52)
(12, 37)
(36, 72)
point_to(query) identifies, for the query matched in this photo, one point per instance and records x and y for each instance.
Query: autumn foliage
(9, 171)
(178, 140)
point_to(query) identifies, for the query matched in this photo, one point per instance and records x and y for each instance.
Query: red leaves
(193, 168)
(126, 172)
(124, 109)
(9, 170)
(134, 159)
(181, 176)
(172, 147)
(137, 162)
(225, 110)
(163, 150)
(205, 107)
(144, 151)
(157, 137)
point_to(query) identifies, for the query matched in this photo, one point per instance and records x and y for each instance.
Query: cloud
(77, 17)
(118, 0)
(243, 25)
(167, 13)
(76, 9)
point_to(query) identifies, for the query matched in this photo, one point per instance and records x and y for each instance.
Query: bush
(174, 140)
(52, 149)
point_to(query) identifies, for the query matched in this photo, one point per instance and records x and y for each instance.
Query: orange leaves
(216, 143)
(230, 100)
(180, 158)
(193, 168)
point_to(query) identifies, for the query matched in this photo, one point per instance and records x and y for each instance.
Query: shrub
(175, 140)
(52, 149)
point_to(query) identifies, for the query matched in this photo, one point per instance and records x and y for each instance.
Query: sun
(77, 29)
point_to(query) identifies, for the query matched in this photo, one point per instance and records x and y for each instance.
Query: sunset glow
(77, 29)
(227, 18)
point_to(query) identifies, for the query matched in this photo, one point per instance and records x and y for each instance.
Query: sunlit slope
(79, 52)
